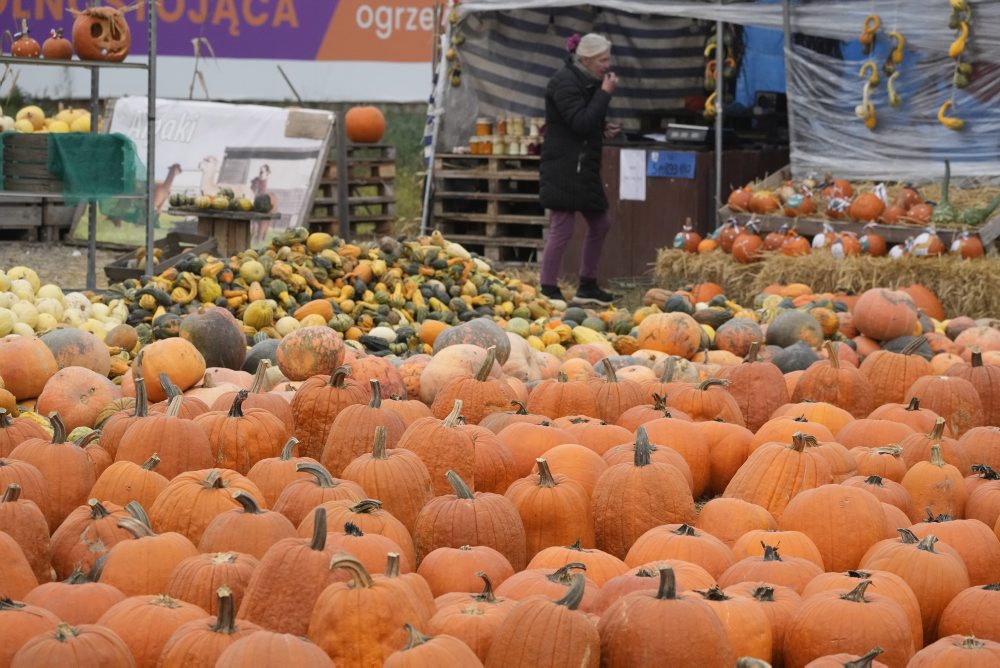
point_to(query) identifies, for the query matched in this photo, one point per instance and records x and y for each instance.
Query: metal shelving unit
(95, 68)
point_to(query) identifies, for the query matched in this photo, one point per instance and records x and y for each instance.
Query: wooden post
(343, 177)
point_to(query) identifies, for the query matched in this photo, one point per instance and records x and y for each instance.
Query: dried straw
(964, 287)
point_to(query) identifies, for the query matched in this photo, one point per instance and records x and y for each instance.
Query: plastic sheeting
(908, 144)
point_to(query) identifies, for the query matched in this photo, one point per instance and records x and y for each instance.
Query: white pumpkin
(8, 299)
(77, 302)
(22, 289)
(22, 329)
(4, 281)
(384, 333)
(99, 311)
(51, 307)
(50, 290)
(26, 313)
(7, 320)
(95, 327)
(286, 325)
(27, 274)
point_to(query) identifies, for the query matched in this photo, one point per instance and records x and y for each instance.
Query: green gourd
(944, 212)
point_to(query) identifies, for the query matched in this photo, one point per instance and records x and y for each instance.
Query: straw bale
(964, 287)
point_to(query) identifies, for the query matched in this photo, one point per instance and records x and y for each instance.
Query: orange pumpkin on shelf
(918, 214)
(764, 202)
(795, 244)
(907, 198)
(866, 207)
(846, 244)
(773, 240)
(101, 33)
(707, 245)
(739, 200)
(747, 246)
(687, 239)
(799, 205)
(57, 47)
(892, 214)
(967, 246)
(364, 125)
(838, 188)
(873, 243)
(24, 45)
(727, 235)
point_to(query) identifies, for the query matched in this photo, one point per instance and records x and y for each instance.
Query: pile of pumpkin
(493, 504)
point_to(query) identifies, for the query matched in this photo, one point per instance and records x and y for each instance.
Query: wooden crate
(490, 205)
(174, 245)
(26, 165)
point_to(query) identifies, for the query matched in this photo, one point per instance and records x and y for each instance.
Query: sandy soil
(62, 264)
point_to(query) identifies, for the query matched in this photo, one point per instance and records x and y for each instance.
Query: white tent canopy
(908, 143)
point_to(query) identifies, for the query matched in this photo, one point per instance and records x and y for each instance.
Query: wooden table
(230, 228)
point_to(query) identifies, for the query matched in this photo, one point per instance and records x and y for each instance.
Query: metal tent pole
(720, 63)
(95, 90)
(786, 15)
(438, 89)
(151, 142)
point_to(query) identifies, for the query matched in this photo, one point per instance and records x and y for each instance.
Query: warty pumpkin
(353, 431)
(200, 642)
(289, 578)
(317, 403)
(642, 628)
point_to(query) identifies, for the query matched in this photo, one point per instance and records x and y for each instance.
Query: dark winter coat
(575, 109)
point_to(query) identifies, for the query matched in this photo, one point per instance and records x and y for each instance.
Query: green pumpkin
(341, 322)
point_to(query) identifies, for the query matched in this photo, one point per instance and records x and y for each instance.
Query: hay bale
(964, 287)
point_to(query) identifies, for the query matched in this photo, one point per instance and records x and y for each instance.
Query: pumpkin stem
(376, 401)
(323, 477)
(11, 494)
(874, 481)
(174, 407)
(659, 402)
(668, 584)
(339, 375)
(7, 604)
(578, 546)
(936, 458)
(764, 593)
(609, 370)
(87, 438)
(770, 552)
(799, 441)
(545, 478)
(643, 450)
(366, 506)
(483, 374)
(977, 356)
(669, 369)
(938, 431)
(684, 530)
(65, 632)
(561, 377)
(562, 575)
(574, 596)
(927, 544)
(352, 529)
(487, 595)
(97, 510)
(892, 449)
(914, 404)
(318, 542)
(141, 398)
(77, 577)
(5, 419)
(864, 575)
(260, 376)
(151, 463)
(714, 594)
(288, 448)
(414, 638)
(752, 353)
(985, 471)
(225, 622)
(392, 564)
(462, 490)
(214, 480)
(452, 418)
(970, 642)
(907, 537)
(857, 595)
(169, 387)
(236, 410)
(58, 428)
(521, 408)
(378, 451)
(709, 382)
(359, 575)
(135, 527)
(914, 345)
(249, 504)
(135, 509)
(865, 660)
(936, 519)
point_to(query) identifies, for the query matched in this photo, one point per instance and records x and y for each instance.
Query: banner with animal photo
(203, 148)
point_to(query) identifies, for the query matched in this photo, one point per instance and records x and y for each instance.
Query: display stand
(95, 67)
(231, 229)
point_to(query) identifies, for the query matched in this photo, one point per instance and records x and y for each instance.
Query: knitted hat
(592, 45)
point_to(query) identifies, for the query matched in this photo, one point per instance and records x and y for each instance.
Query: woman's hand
(612, 130)
(610, 83)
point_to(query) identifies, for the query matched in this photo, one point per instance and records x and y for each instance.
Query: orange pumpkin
(866, 207)
(364, 125)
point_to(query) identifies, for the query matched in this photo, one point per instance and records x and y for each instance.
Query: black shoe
(553, 292)
(591, 293)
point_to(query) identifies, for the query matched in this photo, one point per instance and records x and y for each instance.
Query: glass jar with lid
(484, 126)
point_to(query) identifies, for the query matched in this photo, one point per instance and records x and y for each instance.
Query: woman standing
(576, 103)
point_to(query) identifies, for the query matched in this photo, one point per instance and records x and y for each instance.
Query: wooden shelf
(500, 197)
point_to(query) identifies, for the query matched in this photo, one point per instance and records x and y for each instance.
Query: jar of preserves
(499, 146)
(501, 128)
(484, 126)
(517, 126)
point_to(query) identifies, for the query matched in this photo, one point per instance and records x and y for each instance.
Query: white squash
(26, 313)
(7, 320)
(95, 327)
(286, 325)
(50, 290)
(78, 302)
(22, 289)
(4, 281)
(27, 274)
(50, 306)
(22, 329)
(46, 321)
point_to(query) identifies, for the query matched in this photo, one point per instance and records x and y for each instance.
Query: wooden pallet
(372, 194)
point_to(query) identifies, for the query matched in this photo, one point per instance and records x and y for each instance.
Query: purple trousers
(561, 225)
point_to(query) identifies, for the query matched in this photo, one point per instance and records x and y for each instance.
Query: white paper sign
(632, 185)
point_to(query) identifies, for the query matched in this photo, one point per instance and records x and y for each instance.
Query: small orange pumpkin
(739, 200)
(866, 207)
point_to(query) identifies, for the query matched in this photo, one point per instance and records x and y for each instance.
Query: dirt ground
(62, 264)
